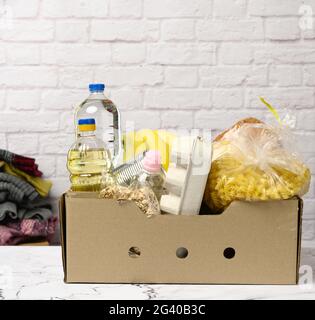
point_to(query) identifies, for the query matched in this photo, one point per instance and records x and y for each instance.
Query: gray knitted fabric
(6, 156)
(36, 213)
(18, 189)
(3, 196)
(16, 196)
(13, 194)
(10, 210)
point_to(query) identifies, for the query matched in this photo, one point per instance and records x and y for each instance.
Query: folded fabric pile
(24, 214)
(25, 164)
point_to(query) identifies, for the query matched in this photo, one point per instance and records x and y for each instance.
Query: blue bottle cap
(86, 121)
(96, 87)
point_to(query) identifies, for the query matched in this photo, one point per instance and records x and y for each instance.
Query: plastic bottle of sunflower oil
(88, 158)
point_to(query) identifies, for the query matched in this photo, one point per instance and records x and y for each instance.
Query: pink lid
(152, 161)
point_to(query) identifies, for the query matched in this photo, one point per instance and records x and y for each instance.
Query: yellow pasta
(250, 163)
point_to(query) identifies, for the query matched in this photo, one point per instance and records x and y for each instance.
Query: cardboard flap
(299, 237)
(62, 221)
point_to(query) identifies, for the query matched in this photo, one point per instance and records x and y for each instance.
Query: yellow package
(136, 142)
(253, 161)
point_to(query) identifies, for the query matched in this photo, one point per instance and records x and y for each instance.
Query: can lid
(96, 87)
(87, 124)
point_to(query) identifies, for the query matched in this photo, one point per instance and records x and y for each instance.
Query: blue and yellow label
(87, 127)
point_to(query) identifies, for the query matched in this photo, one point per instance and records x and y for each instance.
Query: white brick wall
(169, 63)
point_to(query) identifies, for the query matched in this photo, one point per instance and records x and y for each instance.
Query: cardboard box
(105, 241)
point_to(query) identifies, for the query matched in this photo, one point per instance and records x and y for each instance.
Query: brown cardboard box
(97, 235)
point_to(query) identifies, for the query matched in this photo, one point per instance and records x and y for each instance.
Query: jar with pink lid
(152, 175)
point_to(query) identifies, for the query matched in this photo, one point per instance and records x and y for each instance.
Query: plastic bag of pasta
(253, 161)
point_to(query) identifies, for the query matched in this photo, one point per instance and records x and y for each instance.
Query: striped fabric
(18, 189)
(6, 156)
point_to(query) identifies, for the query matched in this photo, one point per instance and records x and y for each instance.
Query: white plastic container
(186, 184)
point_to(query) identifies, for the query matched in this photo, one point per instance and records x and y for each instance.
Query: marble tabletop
(36, 273)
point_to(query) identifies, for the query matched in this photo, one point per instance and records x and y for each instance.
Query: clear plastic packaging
(152, 175)
(127, 171)
(254, 161)
(142, 195)
(145, 199)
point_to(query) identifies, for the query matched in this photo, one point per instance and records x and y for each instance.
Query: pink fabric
(22, 231)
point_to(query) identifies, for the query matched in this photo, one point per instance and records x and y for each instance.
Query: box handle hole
(229, 253)
(134, 252)
(181, 253)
